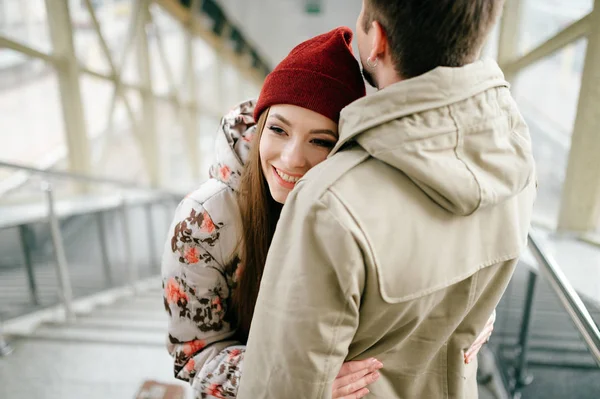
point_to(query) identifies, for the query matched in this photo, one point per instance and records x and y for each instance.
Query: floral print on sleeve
(197, 289)
(221, 376)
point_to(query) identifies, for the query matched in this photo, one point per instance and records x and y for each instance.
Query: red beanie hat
(320, 74)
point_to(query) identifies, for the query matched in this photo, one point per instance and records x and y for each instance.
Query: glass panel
(491, 47)
(115, 18)
(208, 127)
(120, 155)
(30, 114)
(232, 86)
(207, 74)
(173, 41)
(160, 82)
(170, 128)
(96, 96)
(25, 22)
(542, 19)
(550, 111)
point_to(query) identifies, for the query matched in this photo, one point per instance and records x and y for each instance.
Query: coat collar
(439, 87)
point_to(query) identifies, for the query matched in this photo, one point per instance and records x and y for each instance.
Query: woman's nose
(294, 156)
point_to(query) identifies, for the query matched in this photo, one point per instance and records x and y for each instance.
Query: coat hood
(232, 144)
(455, 132)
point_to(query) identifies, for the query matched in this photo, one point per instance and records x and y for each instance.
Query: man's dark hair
(425, 34)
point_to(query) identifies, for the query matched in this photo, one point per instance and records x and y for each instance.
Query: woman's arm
(197, 294)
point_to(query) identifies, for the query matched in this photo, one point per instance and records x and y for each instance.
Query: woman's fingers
(491, 320)
(356, 395)
(352, 384)
(481, 339)
(353, 387)
(354, 366)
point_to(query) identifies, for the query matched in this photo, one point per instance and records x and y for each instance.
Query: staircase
(558, 359)
(107, 352)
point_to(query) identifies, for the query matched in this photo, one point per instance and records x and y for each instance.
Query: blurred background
(108, 113)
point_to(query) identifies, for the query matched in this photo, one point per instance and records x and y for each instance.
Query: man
(400, 245)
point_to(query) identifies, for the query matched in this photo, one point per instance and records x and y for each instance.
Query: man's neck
(387, 76)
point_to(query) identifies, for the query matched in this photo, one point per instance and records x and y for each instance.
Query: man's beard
(369, 77)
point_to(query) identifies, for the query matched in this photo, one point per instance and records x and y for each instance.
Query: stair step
(127, 314)
(73, 333)
(91, 322)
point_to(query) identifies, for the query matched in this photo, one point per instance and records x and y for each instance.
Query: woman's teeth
(287, 178)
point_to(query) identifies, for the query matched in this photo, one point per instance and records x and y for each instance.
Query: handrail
(568, 296)
(89, 179)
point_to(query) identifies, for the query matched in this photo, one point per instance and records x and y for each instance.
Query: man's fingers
(353, 383)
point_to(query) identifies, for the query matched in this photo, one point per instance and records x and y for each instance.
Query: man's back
(400, 246)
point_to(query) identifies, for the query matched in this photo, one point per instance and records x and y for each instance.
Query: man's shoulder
(329, 172)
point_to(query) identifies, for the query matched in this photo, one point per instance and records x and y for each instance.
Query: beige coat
(400, 245)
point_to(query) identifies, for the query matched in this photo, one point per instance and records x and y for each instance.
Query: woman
(214, 260)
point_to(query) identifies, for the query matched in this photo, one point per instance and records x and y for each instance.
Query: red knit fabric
(320, 74)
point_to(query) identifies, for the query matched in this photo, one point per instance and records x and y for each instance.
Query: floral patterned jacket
(197, 280)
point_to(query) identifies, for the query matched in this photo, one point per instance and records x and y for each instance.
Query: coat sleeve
(308, 305)
(197, 297)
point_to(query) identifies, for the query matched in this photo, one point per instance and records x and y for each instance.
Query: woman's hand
(354, 377)
(481, 339)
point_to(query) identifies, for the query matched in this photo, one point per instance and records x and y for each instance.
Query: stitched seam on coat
(458, 279)
(341, 314)
(459, 142)
(473, 290)
(356, 222)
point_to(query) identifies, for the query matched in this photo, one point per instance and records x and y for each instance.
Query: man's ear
(379, 41)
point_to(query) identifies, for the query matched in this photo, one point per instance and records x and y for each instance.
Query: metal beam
(191, 131)
(5, 42)
(162, 56)
(580, 206)
(216, 42)
(563, 38)
(132, 31)
(109, 78)
(118, 87)
(148, 136)
(61, 33)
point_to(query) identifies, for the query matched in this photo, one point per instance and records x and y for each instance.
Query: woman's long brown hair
(259, 215)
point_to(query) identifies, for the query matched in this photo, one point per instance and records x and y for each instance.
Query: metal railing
(87, 179)
(52, 218)
(570, 300)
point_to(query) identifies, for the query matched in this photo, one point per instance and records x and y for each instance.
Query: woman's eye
(276, 130)
(324, 143)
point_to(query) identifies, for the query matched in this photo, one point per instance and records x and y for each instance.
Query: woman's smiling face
(293, 141)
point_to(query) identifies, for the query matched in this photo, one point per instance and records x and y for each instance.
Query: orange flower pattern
(207, 225)
(193, 347)
(191, 255)
(223, 381)
(173, 292)
(225, 172)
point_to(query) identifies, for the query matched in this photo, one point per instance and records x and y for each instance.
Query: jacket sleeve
(197, 297)
(307, 309)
